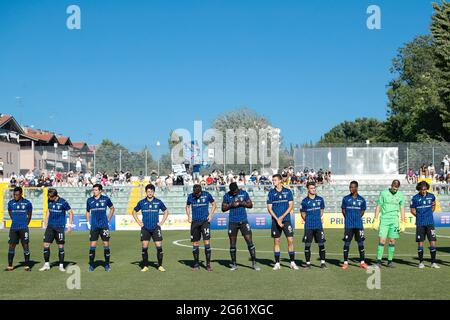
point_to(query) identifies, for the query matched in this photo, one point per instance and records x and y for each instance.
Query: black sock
(362, 251)
(322, 252)
(11, 253)
(420, 254)
(46, 255)
(107, 252)
(277, 257)
(145, 257)
(346, 250)
(92, 255)
(61, 255)
(252, 251)
(233, 254)
(308, 253)
(292, 256)
(433, 252)
(208, 254)
(159, 255)
(27, 255)
(196, 254)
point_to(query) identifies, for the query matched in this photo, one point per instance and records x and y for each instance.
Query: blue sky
(138, 69)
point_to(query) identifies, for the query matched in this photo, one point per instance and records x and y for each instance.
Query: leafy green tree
(440, 29)
(415, 107)
(360, 130)
(108, 156)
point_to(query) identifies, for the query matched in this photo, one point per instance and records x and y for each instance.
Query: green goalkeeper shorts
(389, 229)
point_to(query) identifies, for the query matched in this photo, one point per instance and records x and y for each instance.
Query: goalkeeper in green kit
(389, 221)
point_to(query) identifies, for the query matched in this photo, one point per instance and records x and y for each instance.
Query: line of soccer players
(200, 206)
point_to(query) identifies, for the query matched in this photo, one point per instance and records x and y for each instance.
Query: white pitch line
(179, 244)
(438, 236)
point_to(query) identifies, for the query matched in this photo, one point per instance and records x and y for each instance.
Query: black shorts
(235, 227)
(155, 235)
(54, 234)
(277, 230)
(426, 232)
(16, 236)
(358, 234)
(100, 233)
(200, 229)
(314, 234)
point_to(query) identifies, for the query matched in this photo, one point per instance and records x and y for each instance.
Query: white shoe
(435, 266)
(421, 266)
(46, 267)
(61, 268)
(277, 267)
(294, 266)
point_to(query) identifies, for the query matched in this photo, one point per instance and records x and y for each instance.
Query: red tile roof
(79, 144)
(4, 118)
(40, 135)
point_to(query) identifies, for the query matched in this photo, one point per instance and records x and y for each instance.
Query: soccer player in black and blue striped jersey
(96, 215)
(55, 223)
(199, 216)
(423, 206)
(353, 209)
(237, 201)
(312, 211)
(20, 211)
(280, 204)
(151, 226)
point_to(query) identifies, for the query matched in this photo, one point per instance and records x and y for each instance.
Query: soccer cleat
(209, 268)
(323, 266)
(421, 265)
(256, 267)
(27, 269)
(108, 268)
(61, 268)
(145, 269)
(307, 266)
(364, 266)
(91, 268)
(435, 266)
(196, 268)
(233, 267)
(391, 264)
(46, 267)
(9, 269)
(345, 266)
(294, 266)
(161, 269)
(277, 267)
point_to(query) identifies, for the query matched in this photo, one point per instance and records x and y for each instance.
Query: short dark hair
(52, 192)
(277, 176)
(396, 183)
(309, 184)
(234, 187)
(197, 188)
(150, 187)
(18, 189)
(422, 184)
(98, 186)
(355, 183)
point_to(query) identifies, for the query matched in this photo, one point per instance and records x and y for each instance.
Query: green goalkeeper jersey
(390, 205)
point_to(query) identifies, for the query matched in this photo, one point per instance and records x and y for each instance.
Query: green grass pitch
(180, 283)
